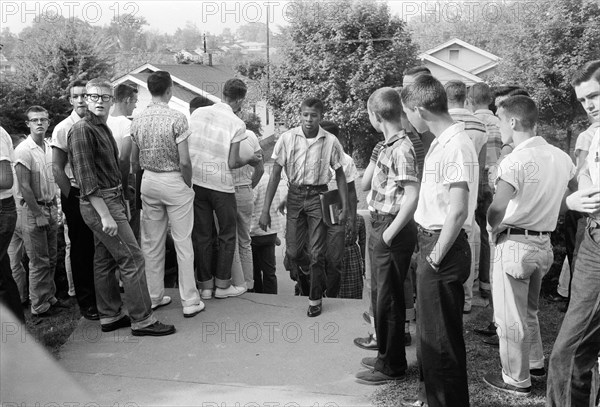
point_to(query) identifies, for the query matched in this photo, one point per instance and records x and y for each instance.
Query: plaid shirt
(93, 156)
(397, 162)
(494, 143)
(157, 131)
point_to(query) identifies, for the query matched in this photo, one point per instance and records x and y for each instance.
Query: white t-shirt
(6, 154)
(59, 140)
(120, 126)
(539, 172)
(243, 175)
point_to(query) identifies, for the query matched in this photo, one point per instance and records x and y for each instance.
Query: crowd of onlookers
(461, 188)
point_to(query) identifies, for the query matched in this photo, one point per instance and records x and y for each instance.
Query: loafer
(375, 378)
(193, 310)
(495, 381)
(369, 363)
(412, 402)
(206, 294)
(90, 313)
(368, 343)
(537, 372)
(156, 329)
(367, 317)
(166, 300)
(492, 341)
(314, 310)
(118, 324)
(61, 304)
(489, 330)
(232, 291)
(407, 339)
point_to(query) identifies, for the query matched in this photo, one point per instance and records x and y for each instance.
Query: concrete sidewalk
(252, 350)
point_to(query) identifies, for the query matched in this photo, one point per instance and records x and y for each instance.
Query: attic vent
(453, 56)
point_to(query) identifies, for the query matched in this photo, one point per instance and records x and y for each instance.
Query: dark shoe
(492, 341)
(563, 307)
(368, 343)
(375, 377)
(407, 339)
(413, 402)
(541, 372)
(48, 313)
(495, 381)
(369, 363)
(156, 329)
(489, 330)
(90, 313)
(61, 304)
(556, 297)
(314, 310)
(118, 324)
(367, 317)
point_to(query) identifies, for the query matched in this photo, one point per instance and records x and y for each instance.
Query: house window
(453, 55)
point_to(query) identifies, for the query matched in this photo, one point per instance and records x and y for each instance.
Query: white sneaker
(192, 310)
(166, 300)
(206, 294)
(232, 291)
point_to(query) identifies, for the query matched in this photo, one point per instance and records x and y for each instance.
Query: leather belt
(526, 232)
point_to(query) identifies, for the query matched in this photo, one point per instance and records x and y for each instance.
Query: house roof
(456, 41)
(450, 67)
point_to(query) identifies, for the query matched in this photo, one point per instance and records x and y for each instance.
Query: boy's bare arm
(59, 161)
(265, 218)
(340, 178)
(365, 183)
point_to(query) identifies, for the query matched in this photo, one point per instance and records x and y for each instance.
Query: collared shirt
(214, 128)
(6, 154)
(243, 175)
(593, 164)
(157, 131)
(307, 162)
(39, 162)
(539, 172)
(585, 137)
(277, 219)
(396, 164)
(120, 127)
(59, 140)
(93, 155)
(451, 159)
(473, 127)
(494, 142)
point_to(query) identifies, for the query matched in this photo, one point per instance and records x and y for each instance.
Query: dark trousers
(82, 251)
(334, 259)
(389, 266)
(224, 205)
(306, 235)
(440, 346)
(575, 224)
(9, 293)
(483, 204)
(263, 259)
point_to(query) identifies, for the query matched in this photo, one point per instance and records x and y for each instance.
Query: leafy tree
(254, 69)
(341, 56)
(188, 37)
(253, 32)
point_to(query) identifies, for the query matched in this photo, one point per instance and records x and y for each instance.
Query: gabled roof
(456, 41)
(450, 67)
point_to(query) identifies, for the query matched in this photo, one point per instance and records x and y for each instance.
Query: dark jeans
(82, 251)
(575, 224)
(305, 236)
(334, 259)
(483, 204)
(577, 346)
(9, 293)
(263, 259)
(389, 266)
(224, 205)
(440, 346)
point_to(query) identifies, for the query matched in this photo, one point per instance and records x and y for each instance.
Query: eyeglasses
(43, 120)
(94, 97)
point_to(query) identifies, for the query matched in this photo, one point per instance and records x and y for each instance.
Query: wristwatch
(433, 264)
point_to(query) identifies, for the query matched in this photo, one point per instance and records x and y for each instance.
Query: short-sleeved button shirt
(243, 176)
(494, 142)
(39, 163)
(60, 141)
(584, 140)
(593, 163)
(120, 127)
(6, 154)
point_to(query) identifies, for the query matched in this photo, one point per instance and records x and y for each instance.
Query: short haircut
(235, 89)
(386, 103)
(159, 82)
(426, 92)
(480, 94)
(456, 91)
(519, 92)
(124, 91)
(99, 83)
(314, 103)
(77, 84)
(591, 70)
(416, 70)
(200, 101)
(252, 122)
(331, 127)
(35, 109)
(523, 108)
(504, 90)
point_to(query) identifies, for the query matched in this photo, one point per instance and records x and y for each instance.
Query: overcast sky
(167, 16)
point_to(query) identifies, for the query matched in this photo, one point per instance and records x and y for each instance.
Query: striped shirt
(397, 163)
(350, 171)
(214, 129)
(494, 142)
(308, 162)
(157, 131)
(474, 127)
(39, 162)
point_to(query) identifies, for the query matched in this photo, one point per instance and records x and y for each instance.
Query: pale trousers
(520, 263)
(166, 199)
(242, 258)
(475, 244)
(15, 252)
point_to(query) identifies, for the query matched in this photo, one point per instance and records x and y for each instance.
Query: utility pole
(268, 68)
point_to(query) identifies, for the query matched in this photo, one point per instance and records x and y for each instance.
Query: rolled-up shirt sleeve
(181, 129)
(81, 157)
